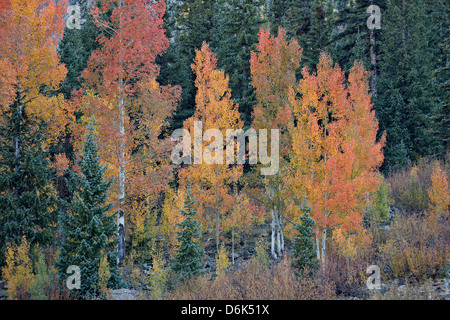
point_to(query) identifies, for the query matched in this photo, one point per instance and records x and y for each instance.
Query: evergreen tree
(439, 11)
(76, 47)
(309, 21)
(304, 253)
(407, 89)
(188, 23)
(27, 199)
(441, 116)
(351, 37)
(293, 15)
(188, 259)
(88, 229)
(236, 26)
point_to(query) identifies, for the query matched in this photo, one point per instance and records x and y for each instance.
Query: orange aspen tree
(273, 67)
(335, 154)
(209, 173)
(30, 67)
(129, 106)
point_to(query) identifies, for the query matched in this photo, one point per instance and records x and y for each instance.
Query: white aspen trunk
(278, 235)
(272, 243)
(121, 191)
(324, 231)
(217, 207)
(317, 245)
(324, 239)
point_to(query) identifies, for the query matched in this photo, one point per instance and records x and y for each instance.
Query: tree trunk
(272, 244)
(121, 192)
(217, 207)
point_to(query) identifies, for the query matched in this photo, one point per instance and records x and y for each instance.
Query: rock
(123, 294)
(402, 288)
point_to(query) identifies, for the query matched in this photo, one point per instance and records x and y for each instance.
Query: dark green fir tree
(88, 228)
(188, 23)
(188, 258)
(28, 201)
(304, 254)
(407, 89)
(236, 27)
(76, 47)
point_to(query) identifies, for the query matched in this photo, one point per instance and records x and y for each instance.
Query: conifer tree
(304, 252)
(407, 89)
(188, 259)
(76, 47)
(88, 228)
(27, 199)
(236, 26)
(189, 24)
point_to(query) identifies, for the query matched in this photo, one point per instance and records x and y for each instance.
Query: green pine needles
(88, 229)
(27, 198)
(188, 259)
(304, 254)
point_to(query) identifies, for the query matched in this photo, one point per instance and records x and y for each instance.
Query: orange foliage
(216, 110)
(121, 93)
(335, 153)
(29, 34)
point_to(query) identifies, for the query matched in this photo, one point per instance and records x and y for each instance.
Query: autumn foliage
(335, 151)
(209, 228)
(29, 33)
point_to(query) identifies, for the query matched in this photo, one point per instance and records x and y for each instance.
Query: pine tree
(236, 25)
(189, 24)
(304, 252)
(188, 259)
(88, 229)
(317, 37)
(407, 89)
(351, 39)
(76, 47)
(27, 199)
(293, 15)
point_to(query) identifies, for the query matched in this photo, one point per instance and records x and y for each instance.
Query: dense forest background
(86, 177)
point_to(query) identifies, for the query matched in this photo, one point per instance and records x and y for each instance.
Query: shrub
(254, 281)
(159, 276)
(261, 252)
(18, 271)
(409, 187)
(222, 261)
(41, 281)
(416, 248)
(438, 192)
(381, 203)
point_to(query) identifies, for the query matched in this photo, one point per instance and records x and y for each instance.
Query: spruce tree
(308, 21)
(188, 259)
(88, 228)
(188, 23)
(407, 88)
(351, 37)
(304, 254)
(76, 47)
(236, 27)
(293, 15)
(27, 198)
